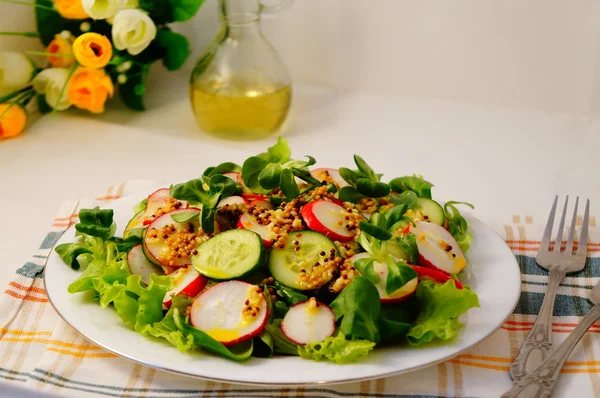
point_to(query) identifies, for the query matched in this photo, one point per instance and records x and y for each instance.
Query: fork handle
(540, 382)
(539, 339)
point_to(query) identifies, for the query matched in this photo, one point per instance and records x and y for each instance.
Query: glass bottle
(240, 88)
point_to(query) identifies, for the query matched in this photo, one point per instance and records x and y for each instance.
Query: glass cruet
(240, 88)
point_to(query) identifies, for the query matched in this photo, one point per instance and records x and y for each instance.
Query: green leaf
(49, 23)
(408, 243)
(348, 175)
(43, 105)
(398, 275)
(133, 90)
(306, 176)
(457, 224)
(251, 170)
(69, 252)
(365, 169)
(375, 231)
(366, 267)
(207, 218)
(167, 329)
(288, 184)
(358, 305)
(96, 222)
(350, 194)
(191, 191)
(418, 185)
(278, 153)
(441, 305)
(203, 340)
(176, 48)
(337, 349)
(282, 345)
(184, 10)
(264, 345)
(227, 167)
(184, 216)
(219, 184)
(395, 320)
(289, 295)
(372, 188)
(403, 202)
(140, 206)
(270, 177)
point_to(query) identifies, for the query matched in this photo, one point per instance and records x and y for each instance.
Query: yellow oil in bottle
(239, 110)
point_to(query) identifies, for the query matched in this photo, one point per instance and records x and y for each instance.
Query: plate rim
(307, 383)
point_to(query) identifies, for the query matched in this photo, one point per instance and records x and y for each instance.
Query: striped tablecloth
(39, 351)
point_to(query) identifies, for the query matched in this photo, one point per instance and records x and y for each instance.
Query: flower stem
(64, 88)
(26, 34)
(46, 54)
(16, 101)
(12, 95)
(26, 3)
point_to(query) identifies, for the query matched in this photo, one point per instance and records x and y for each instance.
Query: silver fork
(538, 344)
(540, 383)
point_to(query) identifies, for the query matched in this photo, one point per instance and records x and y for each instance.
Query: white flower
(132, 30)
(129, 4)
(16, 71)
(102, 9)
(51, 82)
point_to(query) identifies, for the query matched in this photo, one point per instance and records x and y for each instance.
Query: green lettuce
(440, 307)
(167, 329)
(336, 349)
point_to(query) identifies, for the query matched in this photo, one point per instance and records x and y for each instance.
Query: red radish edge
(435, 275)
(311, 220)
(184, 204)
(250, 197)
(192, 288)
(245, 337)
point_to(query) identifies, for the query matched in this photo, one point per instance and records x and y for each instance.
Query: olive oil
(238, 110)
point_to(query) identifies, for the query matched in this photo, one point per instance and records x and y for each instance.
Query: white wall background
(526, 54)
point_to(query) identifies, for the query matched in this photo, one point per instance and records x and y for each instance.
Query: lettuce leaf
(441, 305)
(167, 329)
(336, 349)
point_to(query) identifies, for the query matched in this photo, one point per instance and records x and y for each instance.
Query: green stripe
(14, 372)
(589, 287)
(530, 303)
(13, 378)
(528, 266)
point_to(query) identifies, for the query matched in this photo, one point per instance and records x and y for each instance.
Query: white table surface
(503, 161)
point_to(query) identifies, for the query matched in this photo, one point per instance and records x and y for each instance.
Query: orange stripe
(509, 360)
(480, 365)
(83, 354)
(580, 371)
(22, 297)
(27, 288)
(58, 224)
(539, 242)
(109, 197)
(66, 218)
(59, 343)
(25, 333)
(524, 249)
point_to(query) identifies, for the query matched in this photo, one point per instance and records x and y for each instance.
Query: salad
(277, 257)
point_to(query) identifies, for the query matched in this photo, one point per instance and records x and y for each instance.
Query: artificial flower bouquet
(94, 48)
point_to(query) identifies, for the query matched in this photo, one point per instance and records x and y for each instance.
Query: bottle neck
(239, 12)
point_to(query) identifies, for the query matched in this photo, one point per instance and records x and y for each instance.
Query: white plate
(493, 274)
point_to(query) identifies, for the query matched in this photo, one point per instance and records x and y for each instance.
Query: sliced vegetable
(328, 218)
(161, 244)
(139, 264)
(262, 203)
(251, 223)
(308, 322)
(231, 200)
(186, 281)
(235, 176)
(305, 253)
(429, 210)
(435, 275)
(437, 248)
(329, 175)
(230, 254)
(222, 313)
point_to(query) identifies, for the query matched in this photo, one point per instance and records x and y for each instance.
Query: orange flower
(89, 89)
(60, 45)
(12, 121)
(92, 50)
(70, 9)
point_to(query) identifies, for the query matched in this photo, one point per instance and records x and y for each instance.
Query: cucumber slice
(285, 263)
(391, 246)
(134, 223)
(431, 210)
(230, 254)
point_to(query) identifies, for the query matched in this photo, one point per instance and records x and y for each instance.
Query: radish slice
(435, 275)
(327, 218)
(308, 322)
(186, 280)
(139, 264)
(397, 296)
(329, 175)
(251, 197)
(231, 200)
(159, 203)
(250, 222)
(235, 176)
(437, 248)
(262, 203)
(222, 313)
(158, 236)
